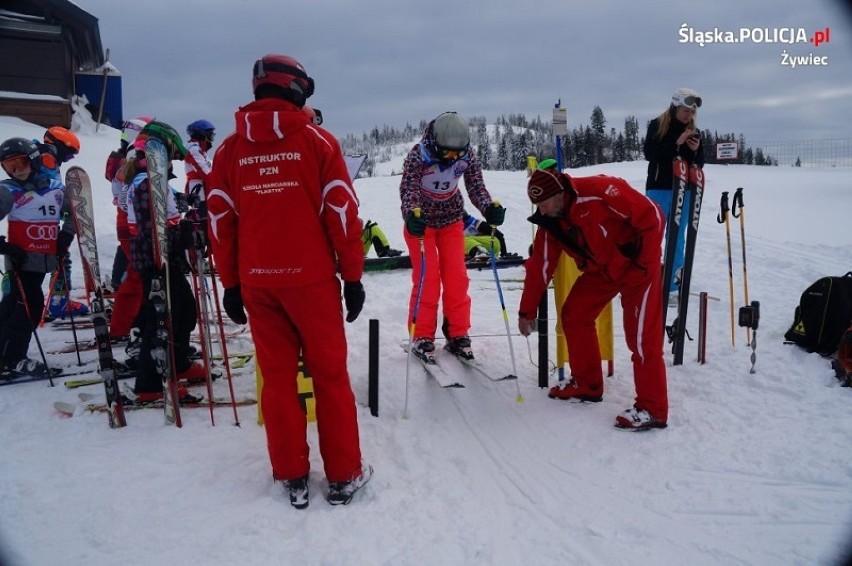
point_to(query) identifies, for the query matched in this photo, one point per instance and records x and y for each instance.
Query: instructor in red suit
(281, 178)
(614, 233)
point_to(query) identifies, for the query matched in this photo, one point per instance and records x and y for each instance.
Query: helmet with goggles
(285, 73)
(16, 154)
(450, 137)
(687, 98)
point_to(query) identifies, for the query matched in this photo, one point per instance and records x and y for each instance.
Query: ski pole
(413, 325)
(34, 325)
(203, 331)
(223, 344)
(738, 211)
(70, 310)
(519, 398)
(723, 218)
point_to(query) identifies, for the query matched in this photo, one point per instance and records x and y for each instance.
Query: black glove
(63, 242)
(631, 248)
(16, 254)
(232, 300)
(353, 296)
(415, 225)
(495, 214)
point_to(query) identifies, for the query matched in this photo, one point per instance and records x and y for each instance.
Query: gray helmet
(450, 132)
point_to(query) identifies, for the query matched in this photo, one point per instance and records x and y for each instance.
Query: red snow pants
(641, 302)
(445, 272)
(128, 298)
(286, 321)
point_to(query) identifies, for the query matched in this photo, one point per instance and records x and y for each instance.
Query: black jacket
(660, 153)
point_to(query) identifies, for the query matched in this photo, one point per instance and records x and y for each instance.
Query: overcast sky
(394, 62)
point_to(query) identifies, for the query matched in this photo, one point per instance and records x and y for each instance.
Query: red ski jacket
(607, 226)
(281, 207)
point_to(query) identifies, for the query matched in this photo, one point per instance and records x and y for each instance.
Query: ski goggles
(16, 164)
(451, 154)
(688, 101)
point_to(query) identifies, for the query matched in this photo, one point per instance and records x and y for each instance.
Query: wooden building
(44, 44)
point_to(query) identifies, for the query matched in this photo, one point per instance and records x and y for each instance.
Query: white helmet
(131, 128)
(686, 97)
(451, 132)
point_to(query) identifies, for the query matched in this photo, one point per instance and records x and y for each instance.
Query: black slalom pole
(373, 371)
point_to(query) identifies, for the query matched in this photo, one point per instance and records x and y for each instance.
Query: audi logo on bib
(34, 237)
(42, 231)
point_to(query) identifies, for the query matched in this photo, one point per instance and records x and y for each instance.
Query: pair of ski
(446, 379)
(11, 378)
(238, 361)
(688, 180)
(88, 403)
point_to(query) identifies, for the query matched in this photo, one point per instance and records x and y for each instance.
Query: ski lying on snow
(238, 361)
(473, 366)
(84, 346)
(69, 409)
(57, 372)
(438, 373)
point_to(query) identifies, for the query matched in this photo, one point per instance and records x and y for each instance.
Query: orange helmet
(66, 143)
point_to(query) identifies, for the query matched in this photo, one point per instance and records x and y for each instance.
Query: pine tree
(598, 132)
(632, 147)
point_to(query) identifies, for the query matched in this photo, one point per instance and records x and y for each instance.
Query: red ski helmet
(285, 72)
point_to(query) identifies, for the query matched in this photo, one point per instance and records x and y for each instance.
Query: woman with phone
(671, 134)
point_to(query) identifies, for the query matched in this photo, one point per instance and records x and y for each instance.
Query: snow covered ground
(753, 469)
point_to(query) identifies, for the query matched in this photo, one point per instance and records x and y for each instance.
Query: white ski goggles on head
(688, 101)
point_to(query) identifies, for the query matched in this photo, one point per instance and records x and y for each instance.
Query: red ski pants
(641, 303)
(284, 322)
(128, 298)
(445, 271)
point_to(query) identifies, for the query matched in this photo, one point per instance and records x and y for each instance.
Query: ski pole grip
(736, 208)
(416, 212)
(723, 214)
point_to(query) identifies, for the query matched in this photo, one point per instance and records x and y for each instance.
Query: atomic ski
(157, 158)
(696, 190)
(680, 173)
(79, 189)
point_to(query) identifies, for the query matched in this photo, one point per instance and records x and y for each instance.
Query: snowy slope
(753, 469)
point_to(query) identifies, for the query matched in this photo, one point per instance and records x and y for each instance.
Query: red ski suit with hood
(277, 180)
(614, 233)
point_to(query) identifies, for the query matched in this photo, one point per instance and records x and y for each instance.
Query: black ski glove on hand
(495, 214)
(63, 242)
(353, 296)
(415, 224)
(232, 300)
(16, 254)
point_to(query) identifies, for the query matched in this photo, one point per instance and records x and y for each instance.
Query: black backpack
(823, 315)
